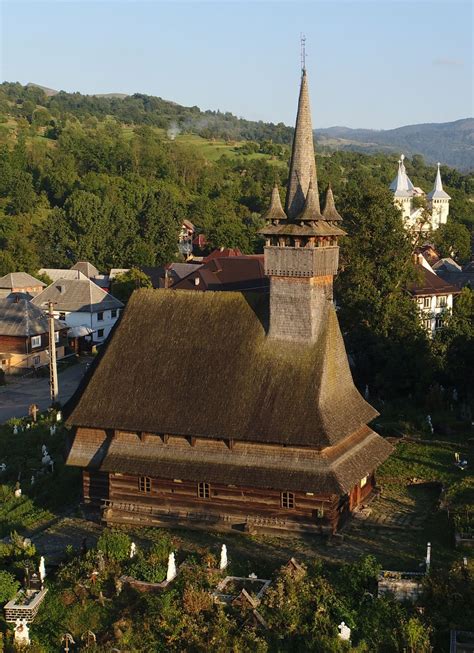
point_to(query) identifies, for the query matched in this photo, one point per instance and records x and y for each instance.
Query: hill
(452, 143)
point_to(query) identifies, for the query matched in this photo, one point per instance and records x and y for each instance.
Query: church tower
(439, 202)
(301, 243)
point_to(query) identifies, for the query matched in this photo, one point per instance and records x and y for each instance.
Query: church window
(287, 500)
(204, 490)
(144, 484)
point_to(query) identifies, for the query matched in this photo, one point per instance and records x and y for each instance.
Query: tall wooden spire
(302, 166)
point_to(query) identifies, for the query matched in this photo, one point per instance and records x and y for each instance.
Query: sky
(375, 64)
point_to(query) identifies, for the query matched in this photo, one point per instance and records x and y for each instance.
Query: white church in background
(404, 193)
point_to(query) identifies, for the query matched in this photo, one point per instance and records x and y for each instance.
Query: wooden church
(229, 410)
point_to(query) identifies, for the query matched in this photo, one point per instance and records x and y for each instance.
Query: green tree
(9, 586)
(124, 284)
(453, 240)
(7, 263)
(22, 196)
(379, 319)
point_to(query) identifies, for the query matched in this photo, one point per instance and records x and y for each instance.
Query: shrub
(147, 570)
(114, 544)
(9, 586)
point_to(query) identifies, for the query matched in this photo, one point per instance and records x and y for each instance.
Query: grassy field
(210, 149)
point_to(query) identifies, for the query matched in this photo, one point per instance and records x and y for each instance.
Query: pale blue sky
(372, 64)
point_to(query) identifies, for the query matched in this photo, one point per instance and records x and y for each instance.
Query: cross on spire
(303, 51)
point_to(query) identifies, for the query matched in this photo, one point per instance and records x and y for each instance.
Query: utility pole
(53, 372)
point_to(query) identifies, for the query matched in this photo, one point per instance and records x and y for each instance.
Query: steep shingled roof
(86, 268)
(275, 210)
(438, 191)
(330, 212)
(209, 351)
(302, 166)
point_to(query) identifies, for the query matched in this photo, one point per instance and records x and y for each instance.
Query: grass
(50, 494)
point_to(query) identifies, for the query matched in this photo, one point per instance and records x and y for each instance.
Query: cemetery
(96, 575)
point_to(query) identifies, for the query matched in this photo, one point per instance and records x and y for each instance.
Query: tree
(453, 240)
(379, 319)
(124, 284)
(9, 586)
(454, 345)
(22, 193)
(7, 263)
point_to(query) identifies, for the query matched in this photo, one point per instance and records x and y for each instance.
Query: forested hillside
(451, 143)
(83, 188)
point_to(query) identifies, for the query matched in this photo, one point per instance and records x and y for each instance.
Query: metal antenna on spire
(303, 51)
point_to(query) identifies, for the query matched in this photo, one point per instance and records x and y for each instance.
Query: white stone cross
(223, 562)
(42, 569)
(344, 631)
(171, 572)
(22, 634)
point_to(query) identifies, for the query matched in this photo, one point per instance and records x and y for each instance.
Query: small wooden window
(144, 484)
(204, 490)
(287, 500)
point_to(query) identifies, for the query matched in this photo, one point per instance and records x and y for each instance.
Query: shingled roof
(302, 165)
(334, 471)
(19, 317)
(20, 280)
(209, 351)
(77, 295)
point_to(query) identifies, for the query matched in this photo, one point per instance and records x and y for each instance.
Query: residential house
(81, 303)
(24, 336)
(228, 273)
(20, 282)
(235, 410)
(453, 273)
(434, 296)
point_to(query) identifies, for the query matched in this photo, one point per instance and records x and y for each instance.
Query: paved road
(19, 394)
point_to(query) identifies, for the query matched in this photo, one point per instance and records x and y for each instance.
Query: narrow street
(17, 396)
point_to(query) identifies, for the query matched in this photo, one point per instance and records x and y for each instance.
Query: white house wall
(82, 318)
